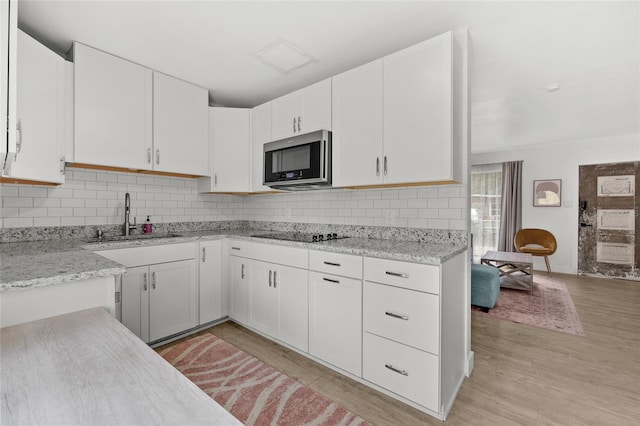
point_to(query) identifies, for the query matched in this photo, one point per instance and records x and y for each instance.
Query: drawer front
(137, 256)
(405, 371)
(346, 265)
(405, 316)
(414, 276)
(282, 255)
(237, 248)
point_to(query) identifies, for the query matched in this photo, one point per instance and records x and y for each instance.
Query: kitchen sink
(111, 238)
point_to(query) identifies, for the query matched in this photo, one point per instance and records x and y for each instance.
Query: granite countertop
(42, 263)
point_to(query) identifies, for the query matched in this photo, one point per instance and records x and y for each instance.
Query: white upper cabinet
(260, 134)
(357, 126)
(230, 139)
(40, 112)
(418, 113)
(303, 111)
(8, 67)
(180, 123)
(127, 116)
(113, 110)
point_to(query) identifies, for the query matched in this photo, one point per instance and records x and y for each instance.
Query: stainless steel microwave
(298, 163)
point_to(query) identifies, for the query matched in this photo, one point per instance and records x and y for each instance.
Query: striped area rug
(253, 392)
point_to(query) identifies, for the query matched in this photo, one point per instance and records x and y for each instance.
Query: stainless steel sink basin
(112, 238)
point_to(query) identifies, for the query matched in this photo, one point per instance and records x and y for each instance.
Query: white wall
(561, 161)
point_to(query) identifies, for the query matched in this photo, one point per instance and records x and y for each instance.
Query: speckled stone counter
(43, 263)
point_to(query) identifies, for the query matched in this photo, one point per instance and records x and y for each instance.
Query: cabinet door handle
(396, 370)
(331, 263)
(275, 280)
(157, 156)
(377, 166)
(242, 272)
(294, 124)
(399, 316)
(18, 138)
(270, 279)
(144, 281)
(204, 254)
(215, 179)
(385, 165)
(235, 248)
(299, 121)
(397, 274)
(62, 164)
(153, 280)
(331, 281)
(149, 155)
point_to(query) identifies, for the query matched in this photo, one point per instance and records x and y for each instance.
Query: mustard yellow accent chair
(538, 242)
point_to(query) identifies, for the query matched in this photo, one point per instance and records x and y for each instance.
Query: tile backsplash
(97, 198)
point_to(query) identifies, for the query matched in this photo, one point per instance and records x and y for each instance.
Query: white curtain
(486, 200)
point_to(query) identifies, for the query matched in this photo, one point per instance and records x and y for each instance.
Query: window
(486, 200)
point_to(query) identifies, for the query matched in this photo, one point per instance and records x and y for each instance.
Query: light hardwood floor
(523, 375)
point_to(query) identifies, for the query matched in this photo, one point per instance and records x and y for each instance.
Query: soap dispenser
(148, 226)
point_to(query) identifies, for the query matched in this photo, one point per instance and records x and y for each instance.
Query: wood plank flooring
(523, 375)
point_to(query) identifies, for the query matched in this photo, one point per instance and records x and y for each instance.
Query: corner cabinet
(127, 116)
(230, 143)
(8, 68)
(260, 134)
(303, 111)
(40, 111)
(159, 289)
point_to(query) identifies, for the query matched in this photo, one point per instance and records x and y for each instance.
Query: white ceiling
(592, 49)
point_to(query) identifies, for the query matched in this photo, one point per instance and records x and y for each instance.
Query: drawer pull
(396, 370)
(332, 264)
(399, 316)
(331, 281)
(397, 274)
(235, 248)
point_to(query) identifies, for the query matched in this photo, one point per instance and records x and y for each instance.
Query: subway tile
(417, 203)
(459, 225)
(32, 191)
(72, 221)
(46, 202)
(95, 203)
(83, 175)
(450, 213)
(381, 204)
(126, 179)
(399, 204)
(107, 177)
(98, 220)
(428, 192)
(438, 223)
(428, 213)
(458, 203)
(438, 203)
(9, 212)
(9, 190)
(17, 202)
(17, 222)
(408, 193)
(408, 213)
(365, 204)
(418, 223)
(55, 211)
(46, 221)
(83, 193)
(449, 191)
(71, 202)
(84, 211)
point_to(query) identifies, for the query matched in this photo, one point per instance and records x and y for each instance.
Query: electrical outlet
(390, 216)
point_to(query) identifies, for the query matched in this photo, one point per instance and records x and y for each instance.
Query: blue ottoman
(485, 286)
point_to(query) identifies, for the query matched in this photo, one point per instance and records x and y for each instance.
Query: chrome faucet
(127, 210)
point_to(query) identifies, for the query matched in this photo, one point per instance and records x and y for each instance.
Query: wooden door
(609, 220)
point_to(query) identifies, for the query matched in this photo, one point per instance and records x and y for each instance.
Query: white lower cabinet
(335, 320)
(159, 290)
(278, 302)
(238, 288)
(210, 298)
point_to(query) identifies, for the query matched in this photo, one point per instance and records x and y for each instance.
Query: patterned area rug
(549, 307)
(253, 392)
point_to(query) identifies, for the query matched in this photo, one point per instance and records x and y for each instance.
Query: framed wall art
(547, 193)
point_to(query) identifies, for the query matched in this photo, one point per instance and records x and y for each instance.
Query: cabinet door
(210, 280)
(335, 321)
(260, 134)
(263, 298)
(172, 298)
(284, 115)
(135, 301)
(113, 110)
(239, 291)
(180, 126)
(231, 141)
(316, 103)
(417, 112)
(357, 126)
(8, 68)
(293, 307)
(40, 106)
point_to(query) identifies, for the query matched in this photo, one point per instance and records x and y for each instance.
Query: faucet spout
(127, 211)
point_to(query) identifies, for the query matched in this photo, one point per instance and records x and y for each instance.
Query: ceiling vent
(284, 56)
